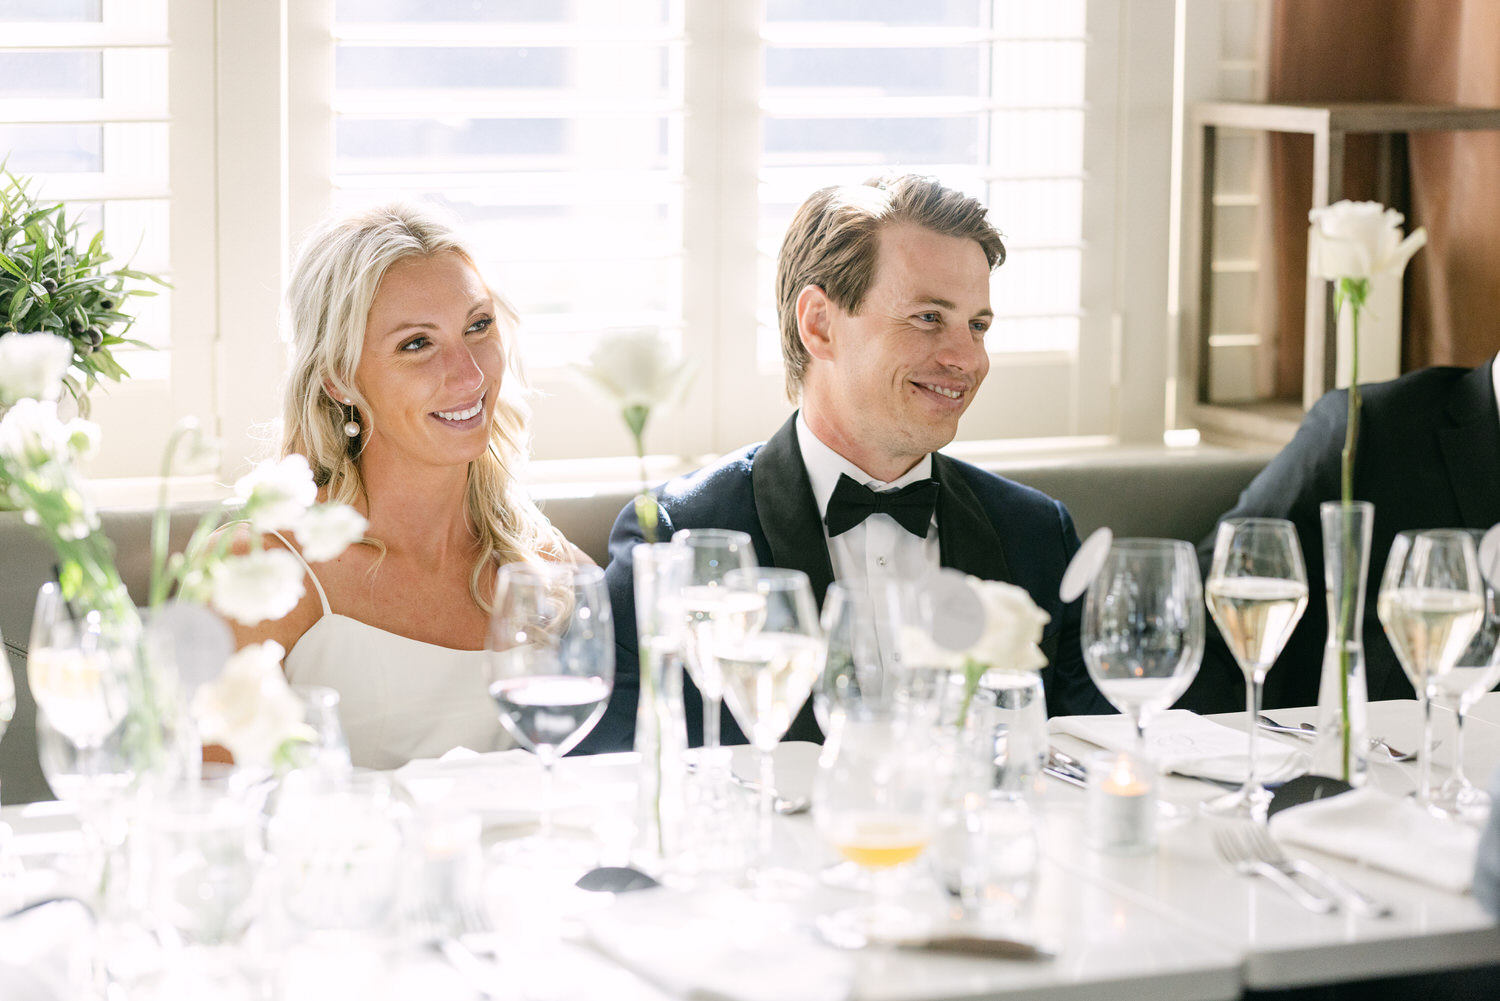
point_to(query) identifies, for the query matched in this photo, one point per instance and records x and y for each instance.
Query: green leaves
(51, 280)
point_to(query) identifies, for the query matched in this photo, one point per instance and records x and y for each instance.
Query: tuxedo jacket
(988, 526)
(1427, 456)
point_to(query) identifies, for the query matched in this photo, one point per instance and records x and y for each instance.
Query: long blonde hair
(335, 275)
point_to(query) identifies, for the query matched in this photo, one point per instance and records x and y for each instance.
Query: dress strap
(323, 597)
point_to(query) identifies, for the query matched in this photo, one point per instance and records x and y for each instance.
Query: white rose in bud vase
(1360, 240)
(32, 365)
(256, 586)
(250, 709)
(277, 494)
(327, 530)
(1009, 644)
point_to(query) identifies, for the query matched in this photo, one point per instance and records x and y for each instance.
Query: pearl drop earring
(351, 426)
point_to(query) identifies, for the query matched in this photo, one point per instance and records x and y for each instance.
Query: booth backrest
(1136, 492)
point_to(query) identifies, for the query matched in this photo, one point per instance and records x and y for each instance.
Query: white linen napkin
(1384, 831)
(717, 946)
(1181, 741)
(505, 788)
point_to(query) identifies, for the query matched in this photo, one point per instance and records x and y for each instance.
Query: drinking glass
(1143, 627)
(79, 669)
(856, 668)
(1257, 590)
(875, 801)
(1431, 603)
(551, 661)
(327, 747)
(770, 670)
(1475, 673)
(712, 611)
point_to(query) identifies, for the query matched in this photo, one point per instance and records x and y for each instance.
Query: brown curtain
(1435, 51)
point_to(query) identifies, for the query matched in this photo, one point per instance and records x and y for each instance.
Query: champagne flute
(1143, 627)
(551, 661)
(1257, 590)
(713, 610)
(769, 671)
(1431, 603)
(875, 802)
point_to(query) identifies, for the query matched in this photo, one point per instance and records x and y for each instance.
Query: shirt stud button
(880, 560)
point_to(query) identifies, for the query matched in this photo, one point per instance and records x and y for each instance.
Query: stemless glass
(1257, 590)
(1143, 627)
(552, 660)
(1431, 603)
(1475, 673)
(712, 611)
(769, 672)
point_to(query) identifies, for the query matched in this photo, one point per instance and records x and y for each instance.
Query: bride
(402, 396)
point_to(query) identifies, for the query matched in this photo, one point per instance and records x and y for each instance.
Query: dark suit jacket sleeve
(1070, 690)
(1292, 486)
(616, 729)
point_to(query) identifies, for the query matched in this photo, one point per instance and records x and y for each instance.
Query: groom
(883, 293)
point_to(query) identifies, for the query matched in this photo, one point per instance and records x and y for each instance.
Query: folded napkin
(504, 788)
(717, 946)
(1181, 741)
(1384, 831)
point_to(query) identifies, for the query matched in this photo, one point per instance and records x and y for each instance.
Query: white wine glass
(875, 801)
(1431, 604)
(769, 672)
(1143, 627)
(551, 662)
(1476, 672)
(713, 610)
(1257, 591)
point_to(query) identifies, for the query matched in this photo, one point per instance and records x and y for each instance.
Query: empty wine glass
(1257, 590)
(856, 668)
(1143, 627)
(1475, 673)
(769, 671)
(1431, 603)
(551, 661)
(713, 610)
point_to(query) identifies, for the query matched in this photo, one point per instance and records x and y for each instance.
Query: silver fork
(1236, 852)
(447, 927)
(1264, 847)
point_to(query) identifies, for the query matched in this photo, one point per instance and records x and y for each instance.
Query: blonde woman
(402, 395)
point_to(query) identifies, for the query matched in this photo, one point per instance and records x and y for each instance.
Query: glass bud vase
(661, 571)
(1342, 747)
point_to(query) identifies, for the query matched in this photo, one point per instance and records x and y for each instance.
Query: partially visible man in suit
(1427, 456)
(883, 296)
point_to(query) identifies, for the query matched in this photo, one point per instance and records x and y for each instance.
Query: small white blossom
(1359, 240)
(31, 435)
(327, 530)
(637, 368)
(249, 708)
(276, 494)
(1012, 628)
(32, 366)
(257, 586)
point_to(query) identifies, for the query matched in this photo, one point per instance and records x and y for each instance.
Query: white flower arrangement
(251, 710)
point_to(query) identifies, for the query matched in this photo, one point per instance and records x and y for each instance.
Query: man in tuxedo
(1427, 456)
(883, 296)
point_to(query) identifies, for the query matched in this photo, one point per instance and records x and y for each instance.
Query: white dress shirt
(878, 548)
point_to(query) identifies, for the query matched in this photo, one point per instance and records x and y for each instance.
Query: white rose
(249, 708)
(31, 435)
(1359, 240)
(32, 366)
(327, 530)
(1012, 628)
(637, 368)
(276, 494)
(257, 586)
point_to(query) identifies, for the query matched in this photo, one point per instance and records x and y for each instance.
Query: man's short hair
(834, 238)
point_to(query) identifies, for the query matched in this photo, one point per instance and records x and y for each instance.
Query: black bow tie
(852, 503)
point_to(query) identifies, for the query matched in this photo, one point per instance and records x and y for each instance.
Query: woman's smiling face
(432, 364)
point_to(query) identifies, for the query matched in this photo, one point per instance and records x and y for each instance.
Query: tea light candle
(1121, 804)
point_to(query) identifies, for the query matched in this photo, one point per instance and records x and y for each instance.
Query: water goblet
(1257, 591)
(712, 611)
(769, 672)
(326, 749)
(551, 666)
(1142, 628)
(1431, 603)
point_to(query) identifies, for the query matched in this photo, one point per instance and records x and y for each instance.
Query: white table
(1175, 924)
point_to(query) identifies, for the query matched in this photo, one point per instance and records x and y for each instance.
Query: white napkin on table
(717, 946)
(502, 787)
(1181, 741)
(1384, 831)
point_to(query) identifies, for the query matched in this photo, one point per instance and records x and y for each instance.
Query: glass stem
(544, 826)
(1460, 780)
(1253, 694)
(1424, 770)
(711, 704)
(767, 806)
